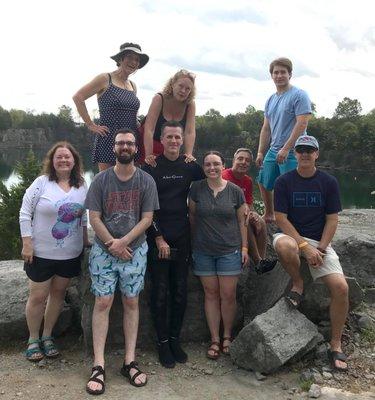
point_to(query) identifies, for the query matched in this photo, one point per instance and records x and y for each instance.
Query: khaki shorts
(331, 262)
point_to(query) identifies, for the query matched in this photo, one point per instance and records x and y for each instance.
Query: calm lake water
(355, 186)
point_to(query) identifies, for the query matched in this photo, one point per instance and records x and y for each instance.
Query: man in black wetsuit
(169, 242)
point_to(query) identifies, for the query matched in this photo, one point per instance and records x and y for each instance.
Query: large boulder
(13, 297)
(194, 328)
(273, 338)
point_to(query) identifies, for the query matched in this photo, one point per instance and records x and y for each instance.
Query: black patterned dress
(118, 109)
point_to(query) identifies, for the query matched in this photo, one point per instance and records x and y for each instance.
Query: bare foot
(140, 379)
(94, 386)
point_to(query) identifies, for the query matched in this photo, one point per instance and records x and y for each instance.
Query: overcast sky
(50, 49)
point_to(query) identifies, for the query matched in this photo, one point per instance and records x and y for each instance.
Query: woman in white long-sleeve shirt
(53, 229)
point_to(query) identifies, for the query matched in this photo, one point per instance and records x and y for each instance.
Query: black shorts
(42, 269)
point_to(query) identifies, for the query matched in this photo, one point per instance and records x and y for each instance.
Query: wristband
(302, 245)
(244, 249)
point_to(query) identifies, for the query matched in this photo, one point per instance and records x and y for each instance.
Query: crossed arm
(119, 247)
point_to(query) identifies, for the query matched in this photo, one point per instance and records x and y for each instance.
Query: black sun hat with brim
(143, 58)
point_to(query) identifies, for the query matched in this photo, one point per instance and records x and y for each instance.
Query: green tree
(348, 109)
(10, 204)
(5, 119)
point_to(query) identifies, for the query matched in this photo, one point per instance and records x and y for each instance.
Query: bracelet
(244, 249)
(302, 245)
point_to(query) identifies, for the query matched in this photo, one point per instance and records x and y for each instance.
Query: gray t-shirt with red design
(122, 203)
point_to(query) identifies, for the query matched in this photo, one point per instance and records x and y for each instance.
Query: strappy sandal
(125, 371)
(294, 298)
(337, 356)
(50, 349)
(225, 349)
(212, 352)
(95, 372)
(34, 354)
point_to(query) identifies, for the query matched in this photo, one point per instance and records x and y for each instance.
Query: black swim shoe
(265, 265)
(166, 358)
(178, 354)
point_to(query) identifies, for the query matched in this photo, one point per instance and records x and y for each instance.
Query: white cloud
(49, 50)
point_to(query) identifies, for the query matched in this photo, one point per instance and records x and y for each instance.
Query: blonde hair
(182, 73)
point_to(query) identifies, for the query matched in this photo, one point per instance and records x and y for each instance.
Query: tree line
(347, 139)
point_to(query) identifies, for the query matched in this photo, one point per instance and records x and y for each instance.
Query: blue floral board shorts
(271, 170)
(106, 270)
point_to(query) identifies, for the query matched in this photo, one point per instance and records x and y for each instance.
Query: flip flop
(337, 356)
(294, 298)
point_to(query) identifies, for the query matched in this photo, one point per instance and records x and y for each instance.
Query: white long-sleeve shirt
(54, 219)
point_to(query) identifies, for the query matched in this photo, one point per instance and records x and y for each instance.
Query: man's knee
(286, 246)
(103, 303)
(130, 303)
(339, 288)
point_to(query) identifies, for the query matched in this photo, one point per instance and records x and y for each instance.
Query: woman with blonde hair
(174, 103)
(53, 230)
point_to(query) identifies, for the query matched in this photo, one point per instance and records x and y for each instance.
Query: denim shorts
(208, 265)
(106, 270)
(270, 169)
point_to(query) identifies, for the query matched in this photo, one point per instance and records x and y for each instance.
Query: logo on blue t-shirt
(307, 199)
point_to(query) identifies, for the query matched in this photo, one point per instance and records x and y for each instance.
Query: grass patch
(306, 384)
(368, 335)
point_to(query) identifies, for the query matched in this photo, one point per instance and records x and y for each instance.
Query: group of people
(150, 205)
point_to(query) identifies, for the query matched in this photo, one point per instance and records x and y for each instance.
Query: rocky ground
(200, 378)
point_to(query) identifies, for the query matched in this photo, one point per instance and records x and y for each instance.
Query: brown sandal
(225, 349)
(212, 352)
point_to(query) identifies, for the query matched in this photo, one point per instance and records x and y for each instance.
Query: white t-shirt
(54, 219)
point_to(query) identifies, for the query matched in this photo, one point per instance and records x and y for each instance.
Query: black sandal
(125, 371)
(294, 298)
(337, 356)
(98, 369)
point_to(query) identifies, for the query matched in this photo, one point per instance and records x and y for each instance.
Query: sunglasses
(188, 73)
(305, 149)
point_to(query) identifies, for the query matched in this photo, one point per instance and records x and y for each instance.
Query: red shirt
(246, 184)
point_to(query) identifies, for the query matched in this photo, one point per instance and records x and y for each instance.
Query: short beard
(125, 159)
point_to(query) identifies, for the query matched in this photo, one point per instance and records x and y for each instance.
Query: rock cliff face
(40, 138)
(255, 294)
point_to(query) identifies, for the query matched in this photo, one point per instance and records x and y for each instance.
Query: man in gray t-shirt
(121, 201)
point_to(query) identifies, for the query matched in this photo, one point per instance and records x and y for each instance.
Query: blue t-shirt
(307, 201)
(281, 111)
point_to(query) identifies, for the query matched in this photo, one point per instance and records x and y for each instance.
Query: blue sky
(50, 49)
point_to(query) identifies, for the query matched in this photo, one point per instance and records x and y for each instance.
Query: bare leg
(288, 253)
(267, 196)
(54, 304)
(338, 310)
(253, 246)
(104, 166)
(100, 319)
(261, 238)
(228, 286)
(212, 306)
(130, 326)
(35, 306)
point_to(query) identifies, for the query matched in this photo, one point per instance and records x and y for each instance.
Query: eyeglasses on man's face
(305, 149)
(123, 143)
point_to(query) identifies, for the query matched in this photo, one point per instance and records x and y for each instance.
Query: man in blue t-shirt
(307, 203)
(286, 115)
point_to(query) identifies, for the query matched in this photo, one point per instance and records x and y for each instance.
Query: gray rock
(357, 255)
(370, 295)
(366, 322)
(259, 376)
(13, 297)
(273, 338)
(315, 391)
(321, 351)
(327, 375)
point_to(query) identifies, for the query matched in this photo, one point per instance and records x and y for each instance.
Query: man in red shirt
(257, 231)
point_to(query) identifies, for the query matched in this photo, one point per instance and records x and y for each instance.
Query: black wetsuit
(173, 180)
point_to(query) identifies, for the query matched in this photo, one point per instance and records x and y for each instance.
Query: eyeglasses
(123, 143)
(305, 149)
